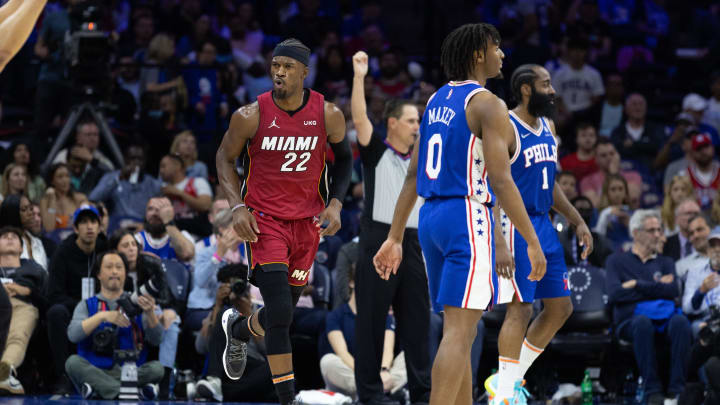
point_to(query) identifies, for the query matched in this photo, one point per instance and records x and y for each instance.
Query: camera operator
(256, 384)
(93, 368)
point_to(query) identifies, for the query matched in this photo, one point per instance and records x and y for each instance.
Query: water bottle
(586, 389)
(640, 393)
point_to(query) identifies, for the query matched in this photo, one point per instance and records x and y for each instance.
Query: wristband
(237, 207)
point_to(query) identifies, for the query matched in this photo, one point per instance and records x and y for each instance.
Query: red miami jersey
(286, 176)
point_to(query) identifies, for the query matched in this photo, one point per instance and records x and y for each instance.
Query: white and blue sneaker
(235, 353)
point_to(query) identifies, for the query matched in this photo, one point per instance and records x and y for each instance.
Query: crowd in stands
(638, 116)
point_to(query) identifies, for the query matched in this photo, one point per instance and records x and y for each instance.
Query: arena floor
(77, 401)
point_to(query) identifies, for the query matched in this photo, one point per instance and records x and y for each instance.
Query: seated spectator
(190, 196)
(218, 205)
(60, 199)
(677, 147)
(338, 367)
(70, 281)
(637, 138)
(641, 286)
(393, 79)
(602, 247)
(185, 146)
(568, 183)
(614, 212)
(608, 162)
(695, 105)
(14, 181)
(579, 86)
(19, 154)
(128, 189)
(24, 282)
(161, 236)
(256, 384)
(582, 161)
(85, 172)
(17, 211)
(347, 257)
(704, 170)
(698, 276)
(611, 110)
(225, 249)
(678, 246)
(87, 133)
(678, 190)
(143, 267)
(95, 371)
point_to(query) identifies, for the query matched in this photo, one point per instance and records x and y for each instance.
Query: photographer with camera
(256, 384)
(108, 324)
(706, 351)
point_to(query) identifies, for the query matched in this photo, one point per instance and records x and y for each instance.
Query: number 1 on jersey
(545, 185)
(432, 166)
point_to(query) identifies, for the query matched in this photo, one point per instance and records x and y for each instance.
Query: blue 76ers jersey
(534, 164)
(450, 158)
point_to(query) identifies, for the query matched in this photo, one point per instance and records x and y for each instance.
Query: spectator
(96, 371)
(245, 36)
(679, 245)
(642, 287)
(695, 105)
(678, 190)
(60, 199)
(161, 236)
(226, 249)
(128, 77)
(218, 205)
(582, 161)
(638, 138)
(347, 257)
(190, 196)
(141, 268)
(156, 79)
(129, 189)
(70, 282)
(568, 183)
(678, 144)
(14, 181)
(611, 110)
(393, 80)
(143, 28)
(202, 32)
(571, 245)
(17, 211)
(333, 76)
(608, 162)
(695, 273)
(85, 173)
(87, 134)
(209, 105)
(712, 113)
(24, 281)
(34, 226)
(185, 146)
(578, 85)
(19, 154)
(584, 21)
(338, 367)
(615, 212)
(704, 170)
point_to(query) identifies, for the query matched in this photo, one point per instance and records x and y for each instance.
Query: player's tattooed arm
(340, 172)
(243, 125)
(487, 112)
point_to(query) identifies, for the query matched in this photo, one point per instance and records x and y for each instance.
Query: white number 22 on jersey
(291, 157)
(432, 166)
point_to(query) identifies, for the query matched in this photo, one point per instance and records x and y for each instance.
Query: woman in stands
(614, 211)
(19, 154)
(60, 200)
(185, 146)
(678, 190)
(14, 180)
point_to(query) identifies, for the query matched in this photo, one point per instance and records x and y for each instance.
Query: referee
(385, 165)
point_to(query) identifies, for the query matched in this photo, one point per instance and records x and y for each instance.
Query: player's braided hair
(524, 74)
(457, 54)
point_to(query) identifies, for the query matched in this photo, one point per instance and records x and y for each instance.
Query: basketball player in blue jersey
(463, 148)
(533, 166)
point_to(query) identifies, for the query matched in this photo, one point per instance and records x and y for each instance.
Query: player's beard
(280, 94)
(541, 105)
(155, 230)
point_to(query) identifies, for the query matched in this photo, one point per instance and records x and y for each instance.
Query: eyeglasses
(653, 230)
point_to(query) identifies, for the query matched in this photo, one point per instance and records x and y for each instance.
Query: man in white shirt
(190, 196)
(578, 84)
(701, 288)
(698, 232)
(87, 134)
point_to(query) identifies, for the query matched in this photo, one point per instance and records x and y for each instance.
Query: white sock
(528, 354)
(507, 375)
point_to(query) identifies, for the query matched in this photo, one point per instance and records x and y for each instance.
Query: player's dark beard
(541, 105)
(280, 94)
(155, 230)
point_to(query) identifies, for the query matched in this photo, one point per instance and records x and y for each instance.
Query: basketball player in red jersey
(281, 208)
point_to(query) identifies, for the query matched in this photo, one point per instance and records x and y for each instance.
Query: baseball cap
(683, 116)
(85, 208)
(695, 102)
(700, 140)
(715, 235)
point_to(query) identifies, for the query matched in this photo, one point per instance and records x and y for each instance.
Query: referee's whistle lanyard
(580, 261)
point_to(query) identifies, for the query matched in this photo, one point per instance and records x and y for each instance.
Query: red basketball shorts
(293, 243)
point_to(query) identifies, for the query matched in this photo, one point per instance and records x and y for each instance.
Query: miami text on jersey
(289, 143)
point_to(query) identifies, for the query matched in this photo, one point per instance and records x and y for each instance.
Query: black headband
(299, 54)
